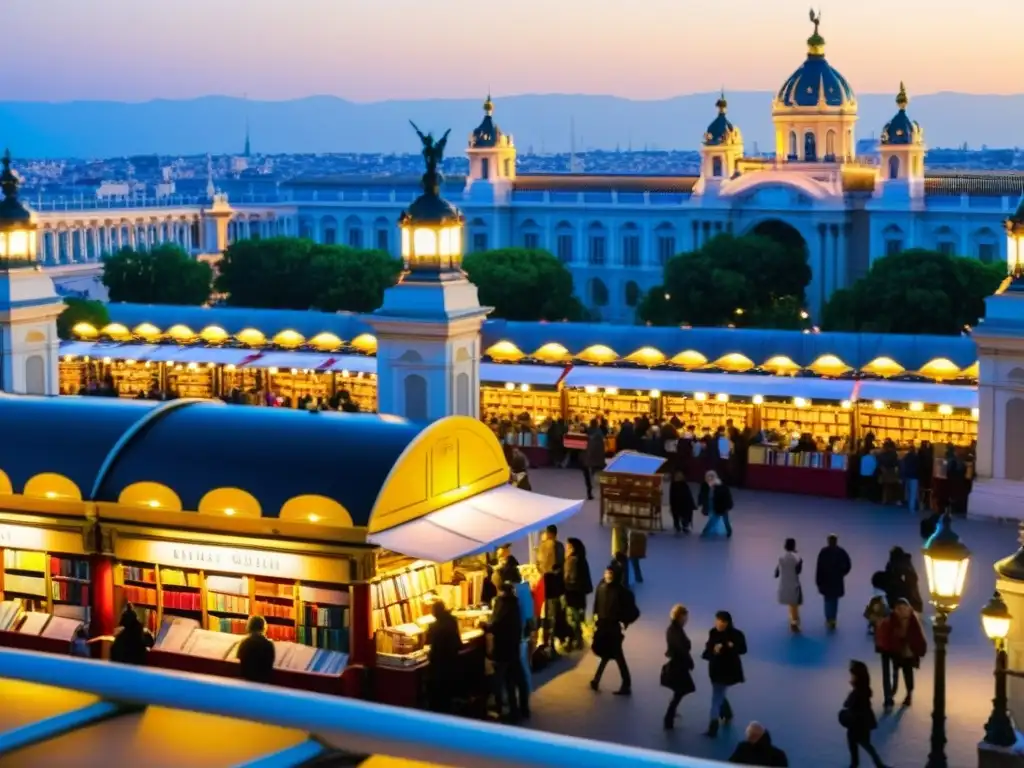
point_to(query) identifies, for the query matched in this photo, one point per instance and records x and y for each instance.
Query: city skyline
(654, 50)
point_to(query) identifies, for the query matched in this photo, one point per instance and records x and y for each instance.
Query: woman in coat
(680, 502)
(791, 594)
(723, 650)
(857, 716)
(676, 674)
(578, 585)
(902, 580)
(715, 500)
(901, 641)
(592, 457)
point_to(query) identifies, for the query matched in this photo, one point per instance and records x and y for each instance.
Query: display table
(809, 481)
(24, 642)
(407, 686)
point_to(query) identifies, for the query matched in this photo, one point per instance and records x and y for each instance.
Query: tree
(164, 275)
(748, 281)
(81, 311)
(915, 292)
(524, 284)
(294, 273)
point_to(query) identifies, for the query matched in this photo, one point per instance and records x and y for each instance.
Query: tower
(215, 221)
(492, 153)
(29, 304)
(902, 151)
(428, 328)
(721, 148)
(247, 151)
(815, 110)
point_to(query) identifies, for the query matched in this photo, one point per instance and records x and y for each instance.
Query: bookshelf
(823, 421)
(707, 414)
(399, 598)
(48, 583)
(617, 408)
(502, 402)
(314, 615)
(190, 382)
(905, 426)
(765, 456)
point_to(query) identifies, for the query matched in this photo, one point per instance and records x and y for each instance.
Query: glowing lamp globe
(17, 225)
(1015, 242)
(946, 560)
(996, 618)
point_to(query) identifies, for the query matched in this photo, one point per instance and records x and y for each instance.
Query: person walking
(902, 580)
(830, 577)
(506, 629)
(715, 500)
(592, 457)
(910, 468)
(578, 585)
(757, 749)
(857, 716)
(551, 563)
(614, 610)
(723, 651)
(256, 652)
(901, 639)
(790, 592)
(676, 674)
(680, 501)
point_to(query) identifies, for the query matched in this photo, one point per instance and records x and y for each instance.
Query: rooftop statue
(815, 20)
(433, 154)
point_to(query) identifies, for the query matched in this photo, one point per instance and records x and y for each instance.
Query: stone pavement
(795, 684)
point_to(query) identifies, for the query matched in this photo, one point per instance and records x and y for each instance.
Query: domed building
(492, 153)
(815, 110)
(902, 144)
(722, 146)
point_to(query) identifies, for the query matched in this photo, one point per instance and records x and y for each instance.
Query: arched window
(830, 145)
(716, 167)
(354, 232)
(478, 235)
(666, 236)
(35, 375)
(985, 245)
(630, 245)
(329, 230)
(597, 245)
(632, 294)
(564, 244)
(894, 167)
(598, 292)
(415, 397)
(893, 237)
(485, 168)
(531, 235)
(810, 147)
(382, 234)
(945, 241)
(792, 146)
(462, 395)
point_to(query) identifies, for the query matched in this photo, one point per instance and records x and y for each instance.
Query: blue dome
(816, 82)
(901, 129)
(721, 131)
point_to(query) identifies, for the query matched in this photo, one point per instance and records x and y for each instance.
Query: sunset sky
(371, 50)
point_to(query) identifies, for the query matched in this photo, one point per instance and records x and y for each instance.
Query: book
(10, 611)
(209, 644)
(61, 628)
(174, 633)
(34, 623)
(24, 560)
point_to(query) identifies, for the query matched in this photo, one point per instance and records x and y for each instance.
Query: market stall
(631, 491)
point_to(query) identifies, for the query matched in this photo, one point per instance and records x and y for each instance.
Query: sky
(375, 50)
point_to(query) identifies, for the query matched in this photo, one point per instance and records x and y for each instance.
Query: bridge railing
(76, 204)
(348, 725)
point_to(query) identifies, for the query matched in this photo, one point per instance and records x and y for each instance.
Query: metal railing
(346, 725)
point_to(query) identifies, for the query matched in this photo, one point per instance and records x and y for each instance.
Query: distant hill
(89, 129)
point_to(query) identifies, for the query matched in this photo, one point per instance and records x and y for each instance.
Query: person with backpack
(614, 609)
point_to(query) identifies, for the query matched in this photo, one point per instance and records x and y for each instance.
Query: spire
(488, 105)
(247, 151)
(722, 104)
(8, 181)
(210, 189)
(901, 98)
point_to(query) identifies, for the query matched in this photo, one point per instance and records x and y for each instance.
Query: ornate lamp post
(946, 560)
(996, 618)
(432, 227)
(1015, 243)
(17, 225)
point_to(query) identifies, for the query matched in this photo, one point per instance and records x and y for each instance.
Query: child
(80, 644)
(878, 607)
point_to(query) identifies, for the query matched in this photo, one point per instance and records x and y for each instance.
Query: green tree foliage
(524, 284)
(916, 292)
(164, 275)
(81, 311)
(294, 273)
(757, 275)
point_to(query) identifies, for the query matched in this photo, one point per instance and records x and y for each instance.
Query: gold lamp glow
(996, 618)
(432, 227)
(17, 223)
(1015, 243)
(946, 560)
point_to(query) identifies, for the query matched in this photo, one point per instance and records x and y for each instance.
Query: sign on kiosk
(20, 537)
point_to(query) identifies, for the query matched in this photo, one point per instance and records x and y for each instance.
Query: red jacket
(888, 642)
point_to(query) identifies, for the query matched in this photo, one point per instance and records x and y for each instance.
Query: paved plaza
(795, 684)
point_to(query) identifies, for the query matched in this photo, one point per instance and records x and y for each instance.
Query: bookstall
(812, 473)
(631, 491)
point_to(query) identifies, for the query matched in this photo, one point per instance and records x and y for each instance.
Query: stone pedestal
(29, 307)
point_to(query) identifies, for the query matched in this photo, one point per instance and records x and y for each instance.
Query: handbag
(666, 675)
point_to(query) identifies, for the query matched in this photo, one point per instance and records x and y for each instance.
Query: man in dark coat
(757, 749)
(833, 568)
(614, 609)
(506, 628)
(577, 586)
(551, 563)
(592, 457)
(444, 674)
(256, 652)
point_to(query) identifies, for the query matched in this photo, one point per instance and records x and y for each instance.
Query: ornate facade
(615, 232)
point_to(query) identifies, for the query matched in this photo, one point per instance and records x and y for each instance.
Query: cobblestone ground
(795, 684)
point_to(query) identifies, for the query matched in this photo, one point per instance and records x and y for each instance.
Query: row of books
(183, 601)
(25, 585)
(812, 459)
(401, 640)
(221, 624)
(319, 637)
(401, 613)
(71, 568)
(14, 618)
(70, 592)
(138, 573)
(277, 610)
(275, 589)
(147, 615)
(333, 616)
(216, 601)
(24, 560)
(177, 578)
(139, 595)
(403, 586)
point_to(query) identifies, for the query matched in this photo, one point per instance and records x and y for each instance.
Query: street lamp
(432, 227)
(17, 225)
(1015, 243)
(996, 618)
(946, 560)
